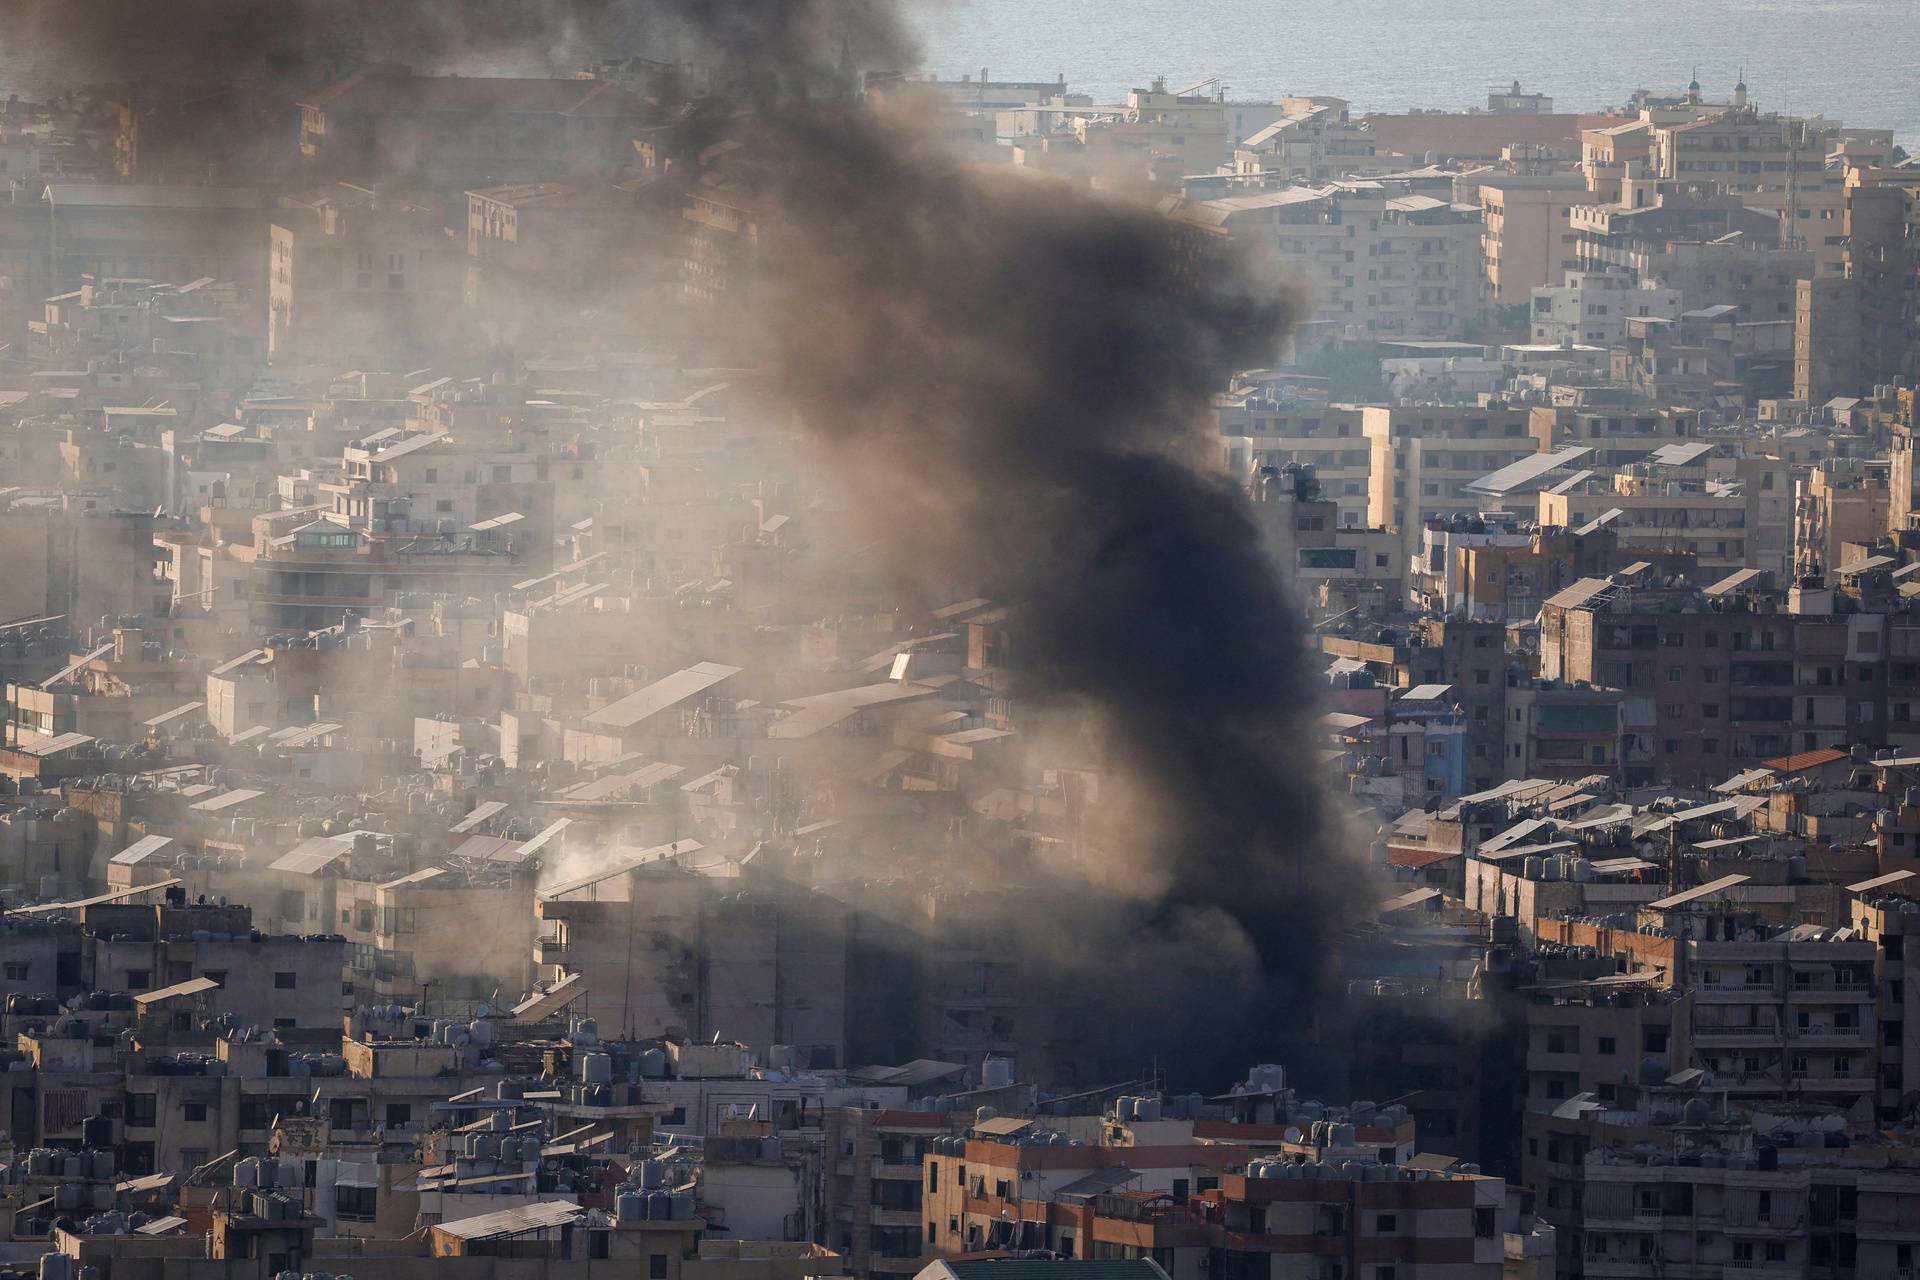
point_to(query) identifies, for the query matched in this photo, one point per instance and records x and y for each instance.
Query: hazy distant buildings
(1378, 264)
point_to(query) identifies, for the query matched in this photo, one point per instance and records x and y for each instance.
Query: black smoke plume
(1011, 373)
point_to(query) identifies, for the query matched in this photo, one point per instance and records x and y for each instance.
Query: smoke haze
(1009, 373)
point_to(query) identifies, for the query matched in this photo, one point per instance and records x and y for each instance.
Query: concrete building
(1529, 239)
(1594, 307)
(1425, 456)
(1380, 264)
(358, 276)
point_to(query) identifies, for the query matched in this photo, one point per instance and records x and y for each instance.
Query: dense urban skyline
(717, 647)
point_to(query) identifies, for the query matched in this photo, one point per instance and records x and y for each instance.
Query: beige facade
(1529, 239)
(1378, 264)
(1424, 456)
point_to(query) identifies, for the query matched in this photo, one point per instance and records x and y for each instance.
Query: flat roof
(54, 746)
(140, 850)
(76, 664)
(477, 815)
(557, 997)
(227, 800)
(1681, 454)
(1740, 781)
(611, 785)
(545, 836)
(1605, 518)
(1003, 1126)
(179, 990)
(543, 1216)
(313, 854)
(167, 717)
(1512, 835)
(97, 900)
(623, 863)
(1528, 470)
(825, 710)
(1695, 894)
(661, 695)
(1580, 593)
(1405, 900)
(1886, 881)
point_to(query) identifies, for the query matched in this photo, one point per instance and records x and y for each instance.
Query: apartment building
(1264, 430)
(1314, 140)
(386, 117)
(1711, 248)
(1593, 307)
(873, 1205)
(358, 276)
(764, 969)
(1855, 330)
(1282, 1187)
(1378, 263)
(1672, 1177)
(1187, 132)
(1616, 436)
(1670, 504)
(1528, 241)
(1840, 502)
(1424, 457)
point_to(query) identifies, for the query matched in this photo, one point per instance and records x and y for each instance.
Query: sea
(1850, 60)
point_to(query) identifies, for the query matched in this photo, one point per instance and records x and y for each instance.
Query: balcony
(1768, 1034)
(1748, 1269)
(898, 1172)
(549, 951)
(1832, 993)
(1810, 1083)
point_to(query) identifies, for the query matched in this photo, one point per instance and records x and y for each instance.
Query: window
(1486, 1224)
(656, 1266)
(142, 1109)
(1607, 1045)
(355, 1204)
(284, 981)
(193, 1112)
(17, 970)
(215, 975)
(1385, 1224)
(597, 1243)
(139, 979)
(399, 1113)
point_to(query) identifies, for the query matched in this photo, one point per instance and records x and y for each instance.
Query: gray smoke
(1012, 375)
